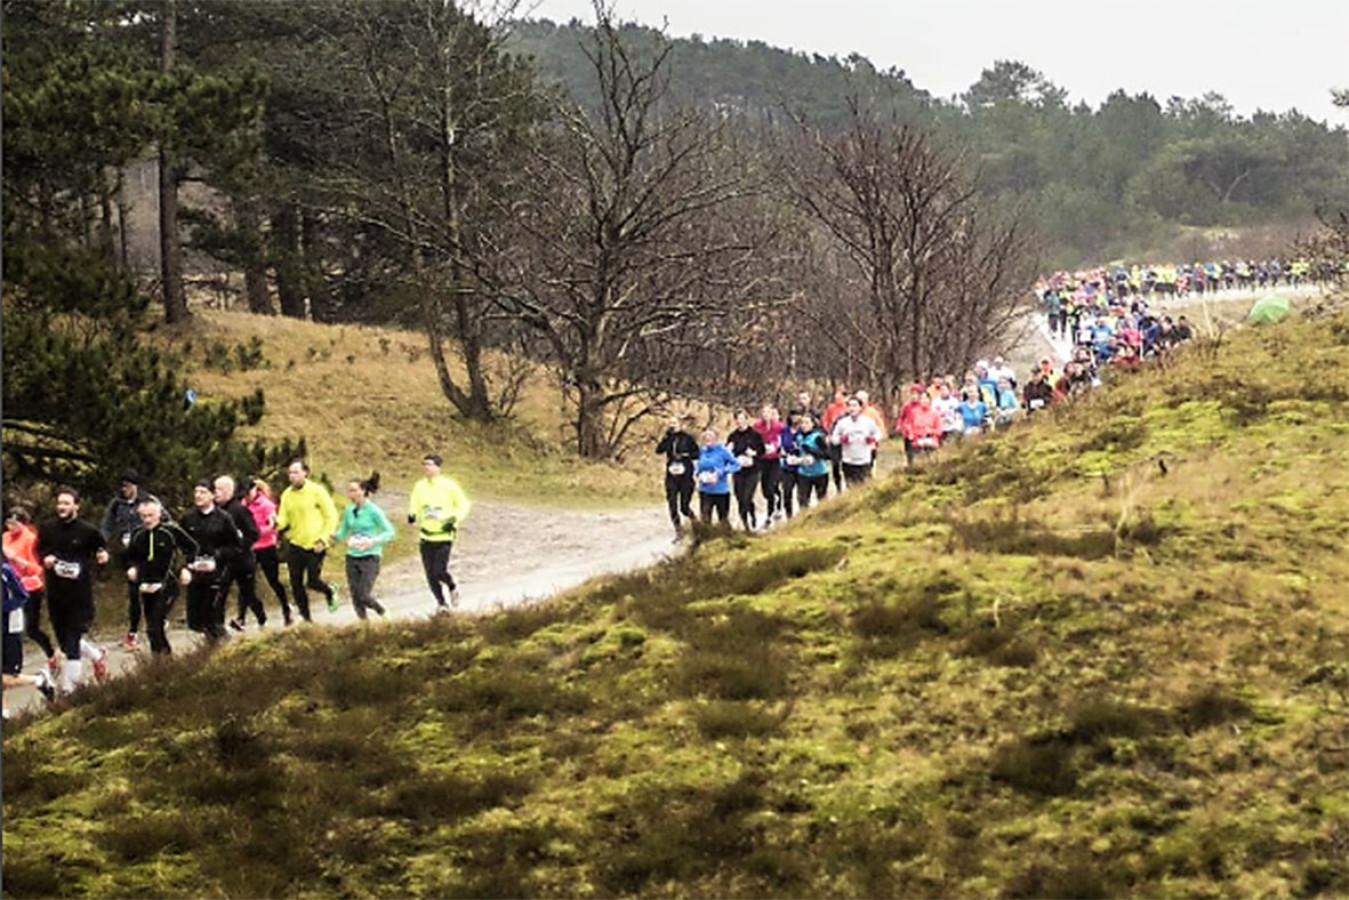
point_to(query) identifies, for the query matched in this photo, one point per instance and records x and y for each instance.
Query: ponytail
(371, 484)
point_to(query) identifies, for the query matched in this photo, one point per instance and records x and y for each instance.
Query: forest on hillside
(643, 219)
(1135, 175)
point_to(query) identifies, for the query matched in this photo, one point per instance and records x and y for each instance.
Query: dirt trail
(509, 553)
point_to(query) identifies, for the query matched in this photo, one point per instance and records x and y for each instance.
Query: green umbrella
(1269, 309)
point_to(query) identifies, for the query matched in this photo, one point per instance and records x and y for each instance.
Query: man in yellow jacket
(306, 517)
(438, 506)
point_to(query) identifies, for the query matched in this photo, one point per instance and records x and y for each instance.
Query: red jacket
(21, 551)
(923, 422)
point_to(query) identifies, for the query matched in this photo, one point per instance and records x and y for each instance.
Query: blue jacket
(973, 414)
(789, 439)
(719, 461)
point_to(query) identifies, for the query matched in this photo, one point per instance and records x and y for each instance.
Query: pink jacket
(264, 514)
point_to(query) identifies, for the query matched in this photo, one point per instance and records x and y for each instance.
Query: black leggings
(746, 483)
(32, 618)
(71, 618)
(720, 503)
(204, 604)
(306, 570)
(244, 573)
(436, 565)
(270, 564)
(806, 484)
(133, 606)
(679, 495)
(771, 475)
(787, 488)
(361, 574)
(157, 606)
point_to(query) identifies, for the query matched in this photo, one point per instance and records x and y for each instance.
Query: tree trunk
(590, 438)
(123, 211)
(286, 262)
(170, 250)
(255, 258)
(321, 307)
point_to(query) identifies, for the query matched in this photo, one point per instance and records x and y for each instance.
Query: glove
(450, 522)
(412, 519)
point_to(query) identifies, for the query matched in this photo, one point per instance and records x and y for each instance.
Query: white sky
(1260, 54)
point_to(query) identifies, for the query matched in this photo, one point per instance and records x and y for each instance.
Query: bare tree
(170, 248)
(639, 238)
(943, 276)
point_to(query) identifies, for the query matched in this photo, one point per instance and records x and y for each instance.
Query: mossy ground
(1039, 667)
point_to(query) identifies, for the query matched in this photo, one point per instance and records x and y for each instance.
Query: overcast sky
(1260, 54)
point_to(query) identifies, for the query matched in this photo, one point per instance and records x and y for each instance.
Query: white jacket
(851, 434)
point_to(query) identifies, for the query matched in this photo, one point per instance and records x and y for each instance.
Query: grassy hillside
(1040, 667)
(367, 397)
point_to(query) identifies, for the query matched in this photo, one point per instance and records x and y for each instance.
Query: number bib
(155, 588)
(677, 468)
(67, 569)
(203, 564)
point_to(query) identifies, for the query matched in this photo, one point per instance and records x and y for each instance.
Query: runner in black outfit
(151, 570)
(240, 566)
(68, 549)
(681, 452)
(217, 539)
(747, 445)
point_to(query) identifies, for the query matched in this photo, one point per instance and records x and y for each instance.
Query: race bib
(927, 441)
(770, 448)
(793, 460)
(67, 569)
(806, 460)
(745, 461)
(707, 477)
(15, 623)
(361, 542)
(431, 512)
(677, 468)
(203, 564)
(151, 588)
(1037, 403)
(126, 540)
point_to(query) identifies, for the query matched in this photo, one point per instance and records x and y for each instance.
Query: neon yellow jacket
(438, 505)
(309, 514)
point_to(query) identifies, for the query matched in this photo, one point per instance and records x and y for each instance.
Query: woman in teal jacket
(715, 464)
(812, 461)
(366, 529)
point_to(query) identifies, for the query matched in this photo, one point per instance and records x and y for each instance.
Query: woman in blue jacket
(715, 464)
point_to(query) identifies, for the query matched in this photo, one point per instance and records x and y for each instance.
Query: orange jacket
(21, 551)
(832, 412)
(874, 415)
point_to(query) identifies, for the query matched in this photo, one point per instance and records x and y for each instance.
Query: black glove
(412, 520)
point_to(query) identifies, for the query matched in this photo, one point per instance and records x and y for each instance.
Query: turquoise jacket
(366, 522)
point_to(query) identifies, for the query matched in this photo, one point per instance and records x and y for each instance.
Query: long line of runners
(228, 535)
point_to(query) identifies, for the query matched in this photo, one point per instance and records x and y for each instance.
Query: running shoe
(237, 624)
(129, 643)
(101, 666)
(454, 597)
(45, 685)
(53, 665)
(332, 603)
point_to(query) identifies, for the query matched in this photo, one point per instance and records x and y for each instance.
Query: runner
(923, 429)
(681, 452)
(715, 462)
(903, 424)
(20, 545)
(812, 461)
(875, 415)
(788, 464)
(150, 568)
(306, 517)
(832, 413)
(119, 521)
(770, 428)
(262, 507)
(748, 447)
(438, 506)
(947, 405)
(11, 656)
(218, 541)
(240, 566)
(1039, 392)
(69, 548)
(973, 411)
(366, 529)
(857, 435)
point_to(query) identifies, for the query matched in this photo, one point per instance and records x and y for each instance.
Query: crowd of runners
(1119, 282)
(230, 533)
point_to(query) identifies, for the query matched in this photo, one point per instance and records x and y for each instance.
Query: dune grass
(1039, 667)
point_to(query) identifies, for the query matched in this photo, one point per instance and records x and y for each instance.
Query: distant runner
(366, 529)
(20, 543)
(151, 569)
(218, 542)
(69, 549)
(438, 506)
(681, 452)
(306, 517)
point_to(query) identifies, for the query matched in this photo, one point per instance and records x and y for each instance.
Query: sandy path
(509, 553)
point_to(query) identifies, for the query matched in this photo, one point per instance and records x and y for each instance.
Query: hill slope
(1041, 667)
